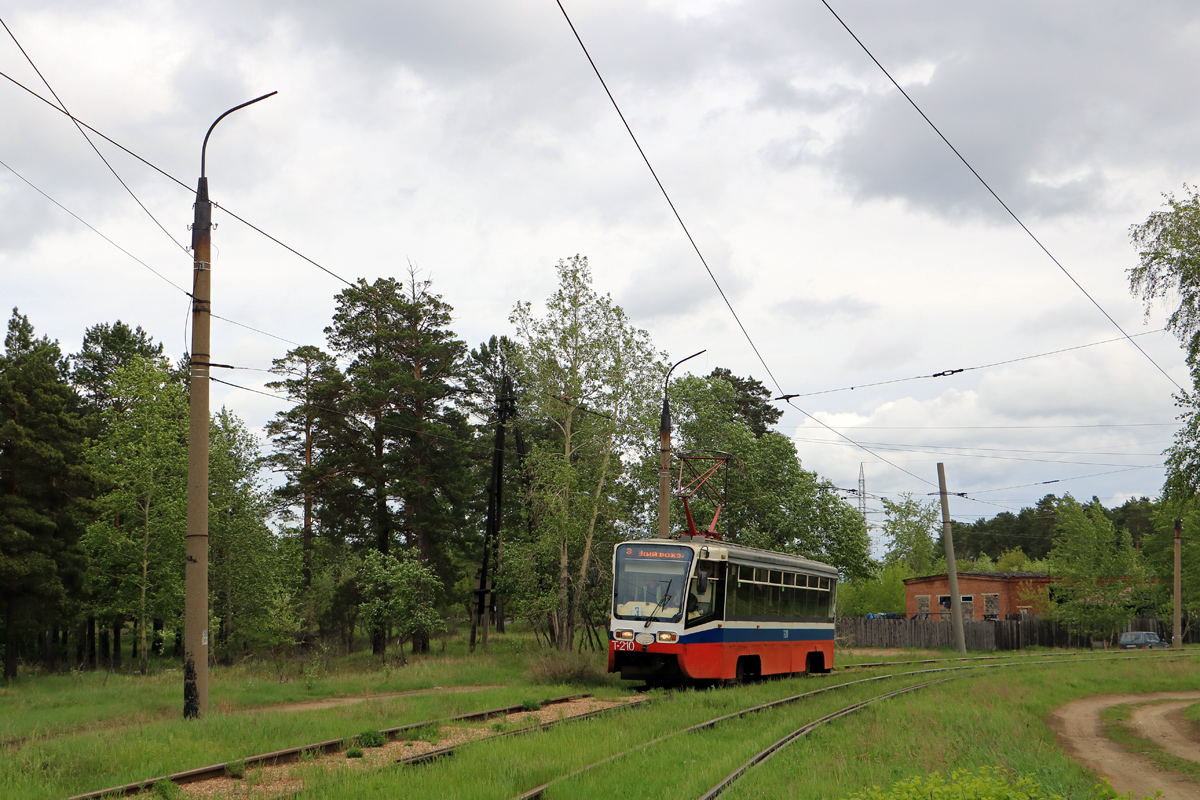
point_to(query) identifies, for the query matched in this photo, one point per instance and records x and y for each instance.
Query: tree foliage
(136, 546)
(1168, 270)
(44, 482)
(399, 593)
(1101, 578)
(910, 526)
(589, 382)
(772, 501)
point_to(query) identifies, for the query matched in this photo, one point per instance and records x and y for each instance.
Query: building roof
(985, 575)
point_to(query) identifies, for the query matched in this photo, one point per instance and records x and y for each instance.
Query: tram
(694, 608)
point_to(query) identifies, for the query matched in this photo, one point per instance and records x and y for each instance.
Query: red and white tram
(699, 609)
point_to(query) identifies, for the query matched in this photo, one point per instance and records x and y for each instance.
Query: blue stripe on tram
(742, 635)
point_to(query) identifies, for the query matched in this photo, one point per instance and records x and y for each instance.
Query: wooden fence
(1009, 634)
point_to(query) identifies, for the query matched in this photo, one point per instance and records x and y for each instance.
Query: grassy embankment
(83, 733)
(65, 734)
(989, 719)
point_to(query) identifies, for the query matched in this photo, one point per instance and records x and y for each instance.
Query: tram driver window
(703, 606)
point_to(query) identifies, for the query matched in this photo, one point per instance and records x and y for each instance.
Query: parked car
(1135, 640)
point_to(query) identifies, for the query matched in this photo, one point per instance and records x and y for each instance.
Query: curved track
(321, 748)
(765, 754)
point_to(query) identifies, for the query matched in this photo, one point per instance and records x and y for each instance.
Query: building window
(923, 606)
(991, 606)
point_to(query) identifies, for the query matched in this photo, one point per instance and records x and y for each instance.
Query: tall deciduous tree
(44, 482)
(910, 527)
(1168, 269)
(591, 380)
(244, 567)
(1101, 578)
(142, 457)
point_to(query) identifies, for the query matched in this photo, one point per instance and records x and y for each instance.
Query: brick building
(985, 595)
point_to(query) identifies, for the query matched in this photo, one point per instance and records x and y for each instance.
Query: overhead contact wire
(63, 107)
(997, 197)
(700, 254)
(171, 177)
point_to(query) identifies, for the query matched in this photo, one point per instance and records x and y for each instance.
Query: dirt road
(1081, 734)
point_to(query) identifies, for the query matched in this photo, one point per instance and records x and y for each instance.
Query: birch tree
(590, 382)
(142, 457)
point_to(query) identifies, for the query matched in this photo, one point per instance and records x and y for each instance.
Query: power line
(158, 274)
(1003, 427)
(992, 192)
(173, 178)
(948, 372)
(63, 107)
(94, 230)
(700, 255)
(1058, 480)
(934, 451)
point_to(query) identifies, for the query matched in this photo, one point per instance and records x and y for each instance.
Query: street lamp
(195, 601)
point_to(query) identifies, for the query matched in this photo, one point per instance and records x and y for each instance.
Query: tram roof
(742, 554)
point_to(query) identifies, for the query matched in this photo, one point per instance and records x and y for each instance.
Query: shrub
(236, 769)
(431, 733)
(987, 783)
(531, 705)
(554, 667)
(371, 739)
(354, 752)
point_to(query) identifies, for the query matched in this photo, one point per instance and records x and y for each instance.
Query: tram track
(335, 745)
(293, 754)
(766, 753)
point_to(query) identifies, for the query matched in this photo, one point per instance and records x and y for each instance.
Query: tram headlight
(667, 637)
(623, 635)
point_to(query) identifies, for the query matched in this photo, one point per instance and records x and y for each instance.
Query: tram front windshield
(651, 581)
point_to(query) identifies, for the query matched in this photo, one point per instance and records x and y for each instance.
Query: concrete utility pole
(195, 599)
(1177, 633)
(664, 456)
(951, 570)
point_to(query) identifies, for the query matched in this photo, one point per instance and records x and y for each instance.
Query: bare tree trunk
(10, 645)
(584, 561)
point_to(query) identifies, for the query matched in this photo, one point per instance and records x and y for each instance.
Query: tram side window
(763, 594)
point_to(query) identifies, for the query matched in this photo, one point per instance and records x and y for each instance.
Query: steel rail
(539, 791)
(1077, 653)
(804, 730)
(317, 748)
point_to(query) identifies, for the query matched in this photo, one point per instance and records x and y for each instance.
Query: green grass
(993, 718)
(67, 734)
(50, 705)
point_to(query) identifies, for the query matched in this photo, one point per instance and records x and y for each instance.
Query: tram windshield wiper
(666, 598)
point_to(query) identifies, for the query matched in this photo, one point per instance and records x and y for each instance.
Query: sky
(472, 142)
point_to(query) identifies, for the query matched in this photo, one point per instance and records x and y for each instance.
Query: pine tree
(44, 481)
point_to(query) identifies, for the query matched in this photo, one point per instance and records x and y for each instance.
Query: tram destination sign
(643, 553)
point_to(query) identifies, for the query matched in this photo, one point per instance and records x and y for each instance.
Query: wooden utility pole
(951, 570)
(1177, 633)
(485, 598)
